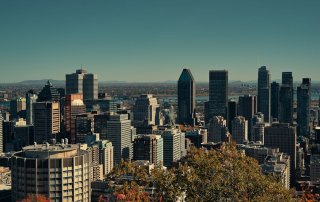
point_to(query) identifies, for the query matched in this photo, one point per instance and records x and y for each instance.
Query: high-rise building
(218, 95)
(257, 129)
(232, 112)
(106, 155)
(84, 125)
(17, 108)
(119, 133)
(46, 121)
(303, 107)
(150, 148)
(74, 106)
(100, 125)
(49, 94)
(284, 137)
(286, 98)
(275, 95)
(217, 128)
(84, 83)
(31, 97)
(144, 110)
(173, 145)
(240, 130)
(247, 107)
(59, 172)
(186, 98)
(264, 92)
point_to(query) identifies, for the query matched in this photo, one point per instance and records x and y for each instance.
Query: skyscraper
(31, 97)
(186, 98)
(144, 110)
(247, 107)
(257, 127)
(218, 95)
(264, 92)
(232, 112)
(73, 107)
(82, 82)
(286, 98)
(240, 130)
(149, 147)
(49, 94)
(46, 121)
(106, 155)
(275, 94)
(284, 137)
(119, 133)
(303, 107)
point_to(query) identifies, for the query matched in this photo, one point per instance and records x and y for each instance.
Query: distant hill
(42, 82)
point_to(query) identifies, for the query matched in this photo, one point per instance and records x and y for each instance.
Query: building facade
(264, 92)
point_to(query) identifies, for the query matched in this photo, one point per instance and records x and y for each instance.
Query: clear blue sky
(152, 40)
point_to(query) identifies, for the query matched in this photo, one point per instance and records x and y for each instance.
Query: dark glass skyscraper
(286, 98)
(303, 107)
(264, 92)
(186, 98)
(232, 112)
(49, 94)
(275, 93)
(218, 95)
(247, 107)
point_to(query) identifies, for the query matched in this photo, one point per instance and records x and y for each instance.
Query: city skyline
(118, 42)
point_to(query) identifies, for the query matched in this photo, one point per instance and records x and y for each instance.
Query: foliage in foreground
(215, 175)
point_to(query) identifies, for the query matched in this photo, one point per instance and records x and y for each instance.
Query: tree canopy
(206, 175)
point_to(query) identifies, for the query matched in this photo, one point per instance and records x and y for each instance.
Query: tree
(212, 175)
(35, 198)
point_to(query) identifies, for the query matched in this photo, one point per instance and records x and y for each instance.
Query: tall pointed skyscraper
(264, 92)
(186, 98)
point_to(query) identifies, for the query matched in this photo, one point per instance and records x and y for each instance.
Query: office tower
(106, 155)
(100, 125)
(46, 121)
(217, 128)
(49, 94)
(8, 135)
(60, 172)
(119, 133)
(84, 125)
(232, 112)
(107, 104)
(84, 83)
(173, 145)
(218, 95)
(17, 108)
(278, 165)
(23, 135)
(73, 107)
(258, 125)
(284, 137)
(186, 98)
(247, 107)
(144, 110)
(286, 98)
(303, 107)
(275, 95)
(240, 130)
(264, 92)
(150, 148)
(31, 97)
(1, 135)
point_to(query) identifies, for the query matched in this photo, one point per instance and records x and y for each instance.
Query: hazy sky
(152, 40)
